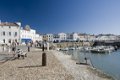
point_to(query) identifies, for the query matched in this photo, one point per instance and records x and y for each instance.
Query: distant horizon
(55, 16)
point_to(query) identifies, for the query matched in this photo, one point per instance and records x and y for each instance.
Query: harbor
(107, 63)
(98, 61)
(101, 55)
(60, 40)
(59, 66)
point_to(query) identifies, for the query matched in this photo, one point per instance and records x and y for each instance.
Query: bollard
(44, 57)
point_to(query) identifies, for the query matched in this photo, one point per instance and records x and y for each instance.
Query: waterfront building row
(62, 37)
(14, 32)
(10, 32)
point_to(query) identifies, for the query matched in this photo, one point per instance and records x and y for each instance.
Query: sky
(55, 16)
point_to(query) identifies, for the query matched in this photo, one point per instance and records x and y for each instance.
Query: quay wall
(73, 44)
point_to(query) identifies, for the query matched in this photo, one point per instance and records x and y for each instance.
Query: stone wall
(73, 44)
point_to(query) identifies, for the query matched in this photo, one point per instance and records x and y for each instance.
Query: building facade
(48, 37)
(62, 36)
(74, 36)
(29, 35)
(107, 38)
(40, 38)
(82, 37)
(56, 38)
(45, 38)
(10, 32)
(37, 37)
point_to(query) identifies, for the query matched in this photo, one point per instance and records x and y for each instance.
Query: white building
(62, 36)
(74, 36)
(10, 32)
(56, 38)
(82, 37)
(28, 35)
(38, 38)
(89, 37)
(106, 38)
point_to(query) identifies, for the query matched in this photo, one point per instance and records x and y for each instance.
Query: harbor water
(108, 63)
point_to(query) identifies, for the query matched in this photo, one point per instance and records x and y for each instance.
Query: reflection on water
(108, 62)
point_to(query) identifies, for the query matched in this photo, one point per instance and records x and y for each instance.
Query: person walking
(9, 47)
(28, 46)
(13, 47)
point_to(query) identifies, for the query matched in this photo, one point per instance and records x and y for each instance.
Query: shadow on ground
(82, 63)
(32, 66)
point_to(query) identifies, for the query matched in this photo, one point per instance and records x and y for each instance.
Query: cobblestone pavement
(30, 68)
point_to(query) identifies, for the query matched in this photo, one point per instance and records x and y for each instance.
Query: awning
(26, 40)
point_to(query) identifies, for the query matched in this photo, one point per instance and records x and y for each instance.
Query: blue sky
(54, 16)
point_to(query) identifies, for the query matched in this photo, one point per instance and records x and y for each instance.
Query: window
(3, 33)
(15, 33)
(9, 33)
(4, 40)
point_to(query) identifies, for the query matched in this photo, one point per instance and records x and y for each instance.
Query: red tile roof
(8, 24)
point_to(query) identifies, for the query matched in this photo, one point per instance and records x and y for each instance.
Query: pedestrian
(3, 47)
(13, 47)
(28, 46)
(31, 43)
(43, 47)
(9, 47)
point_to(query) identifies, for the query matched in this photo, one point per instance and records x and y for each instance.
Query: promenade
(59, 67)
(30, 68)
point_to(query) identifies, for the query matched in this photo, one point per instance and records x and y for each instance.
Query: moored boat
(71, 48)
(99, 51)
(102, 49)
